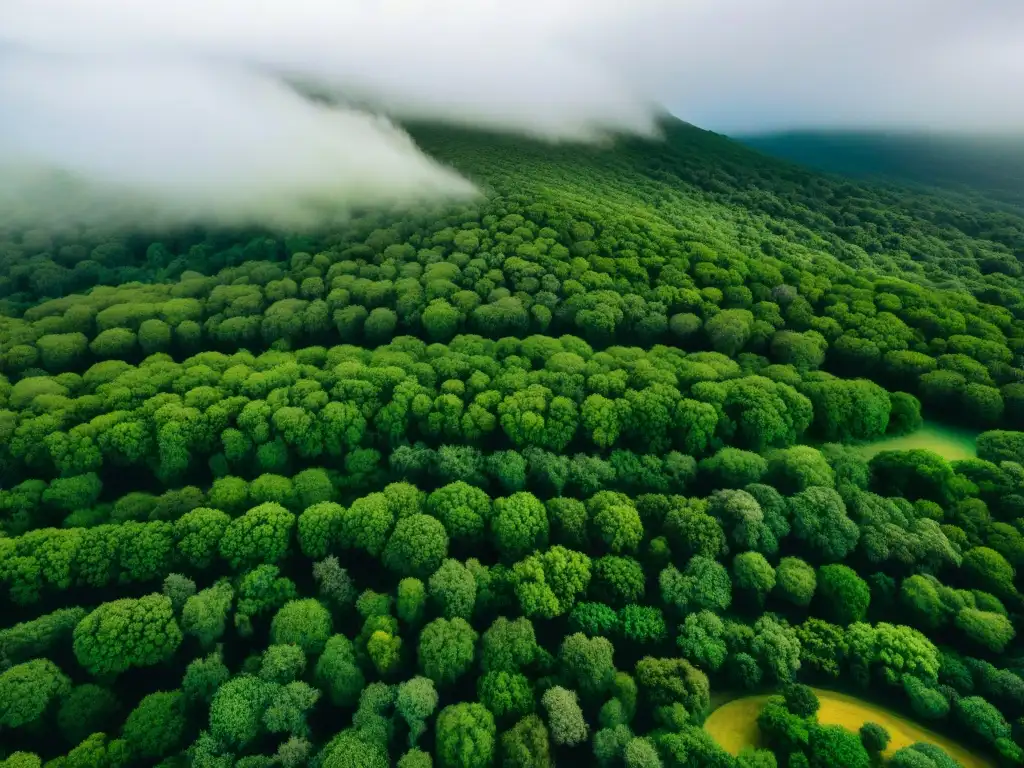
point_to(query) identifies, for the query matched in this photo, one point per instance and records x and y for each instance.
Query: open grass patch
(734, 725)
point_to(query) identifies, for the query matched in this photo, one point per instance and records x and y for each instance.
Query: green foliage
(28, 690)
(306, 622)
(547, 584)
(127, 633)
(519, 525)
(668, 681)
(337, 672)
(527, 744)
(260, 535)
(843, 596)
(156, 727)
(446, 649)
(795, 581)
(465, 736)
(701, 640)
(508, 695)
(205, 614)
(565, 718)
(417, 546)
(477, 415)
(87, 709)
(453, 589)
(831, 745)
(874, 737)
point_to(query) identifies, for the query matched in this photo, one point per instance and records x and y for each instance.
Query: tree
(156, 727)
(729, 330)
(334, 583)
(594, 619)
(203, 677)
(412, 601)
(776, 648)
(28, 690)
(795, 581)
(367, 524)
(667, 681)
(565, 718)
(701, 640)
(453, 589)
(236, 712)
(508, 645)
(800, 700)
(743, 521)
(446, 649)
(548, 583)
(842, 595)
(198, 534)
(87, 709)
(991, 630)
(306, 623)
(465, 736)
(417, 546)
(732, 468)
(261, 591)
(641, 753)
(568, 519)
(526, 744)
(820, 523)
(463, 509)
(519, 525)
(320, 528)
(261, 535)
(753, 575)
(831, 745)
(614, 521)
(704, 584)
(875, 739)
(927, 702)
(797, 468)
(282, 664)
(127, 633)
(617, 580)
(415, 703)
(587, 664)
(643, 624)
(508, 695)
(986, 569)
(416, 758)
(337, 672)
(978, 716)
(205, 614)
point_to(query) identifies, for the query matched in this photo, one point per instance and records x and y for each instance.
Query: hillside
(989, 166)
(527, 481)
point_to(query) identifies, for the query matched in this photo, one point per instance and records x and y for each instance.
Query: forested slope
(992, 166)
(515, 482)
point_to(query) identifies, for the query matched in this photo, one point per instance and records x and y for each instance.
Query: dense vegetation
(518, 481)
(990, 165)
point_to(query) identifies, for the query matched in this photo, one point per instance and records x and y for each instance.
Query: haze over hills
(972, 164)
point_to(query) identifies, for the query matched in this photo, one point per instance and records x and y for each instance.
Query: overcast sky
(181, 104)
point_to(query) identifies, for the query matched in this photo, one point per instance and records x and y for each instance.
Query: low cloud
(181, 112)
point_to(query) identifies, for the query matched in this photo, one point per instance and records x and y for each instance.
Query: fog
(181, 112)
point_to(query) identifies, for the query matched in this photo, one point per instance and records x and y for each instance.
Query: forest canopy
(523, 482)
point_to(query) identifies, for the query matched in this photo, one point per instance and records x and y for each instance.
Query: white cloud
(179, 108)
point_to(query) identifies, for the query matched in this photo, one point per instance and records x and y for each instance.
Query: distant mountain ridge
(992, 166)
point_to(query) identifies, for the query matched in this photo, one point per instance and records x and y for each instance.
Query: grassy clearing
(734, 725)
(952, 443)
